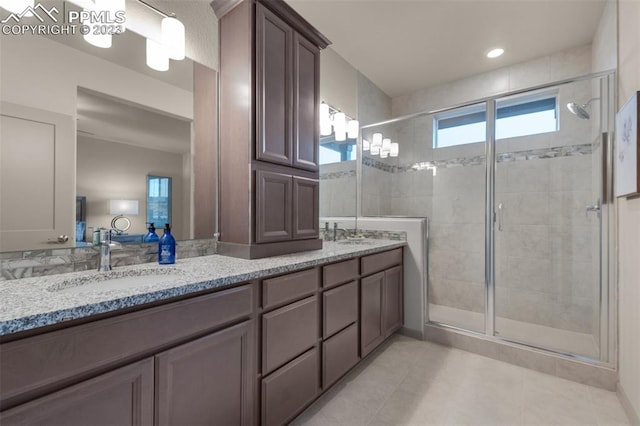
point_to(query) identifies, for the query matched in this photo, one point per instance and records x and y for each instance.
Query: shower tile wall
(544, 271)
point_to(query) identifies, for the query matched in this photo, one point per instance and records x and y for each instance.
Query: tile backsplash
(36, 263)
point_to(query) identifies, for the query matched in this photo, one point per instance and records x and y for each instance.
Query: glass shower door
(548, 192)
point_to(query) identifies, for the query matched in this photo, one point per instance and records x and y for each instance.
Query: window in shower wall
(516, 116)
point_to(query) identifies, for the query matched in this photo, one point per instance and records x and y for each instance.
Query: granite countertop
(30, 303)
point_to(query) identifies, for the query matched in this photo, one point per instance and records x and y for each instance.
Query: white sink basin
(116, 280)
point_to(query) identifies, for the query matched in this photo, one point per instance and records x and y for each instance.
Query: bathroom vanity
(215, 340)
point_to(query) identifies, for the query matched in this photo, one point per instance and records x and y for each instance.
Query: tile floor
(411, 382)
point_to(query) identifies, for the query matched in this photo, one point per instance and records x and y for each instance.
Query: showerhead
(578, 110)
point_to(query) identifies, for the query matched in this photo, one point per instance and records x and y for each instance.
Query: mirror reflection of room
(87, 127)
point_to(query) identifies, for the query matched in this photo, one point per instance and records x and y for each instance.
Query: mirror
(83, 127)
(337, 177)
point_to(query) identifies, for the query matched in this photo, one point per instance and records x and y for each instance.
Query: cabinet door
(209, 381)
(306, 208)
(371, 314)
(393, 314)
(306, 103)
(274, 88)
(273, 206)
(121, 397)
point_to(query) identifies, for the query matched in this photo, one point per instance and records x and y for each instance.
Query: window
(159, 200)
(517, 116)
(336, 152)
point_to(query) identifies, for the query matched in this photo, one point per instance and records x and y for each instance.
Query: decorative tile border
(479, 160)
(342, 234)
(338, 175)
(37, 263)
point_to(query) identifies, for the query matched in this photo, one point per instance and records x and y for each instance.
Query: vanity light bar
(334, 120)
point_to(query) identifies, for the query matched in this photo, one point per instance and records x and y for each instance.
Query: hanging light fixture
(17, 6)
(395, 149)
(157, 58)
(325, 120)
(386, 145)
(353, 128)
(381, 146)
(340, 126)
(173, 37)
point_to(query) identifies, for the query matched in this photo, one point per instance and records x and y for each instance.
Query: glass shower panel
(548, 192)
(457, 221)
(447, 185)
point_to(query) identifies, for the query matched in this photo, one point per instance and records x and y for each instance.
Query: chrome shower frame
(608, 271)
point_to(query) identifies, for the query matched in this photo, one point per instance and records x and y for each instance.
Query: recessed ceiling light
(494, 53)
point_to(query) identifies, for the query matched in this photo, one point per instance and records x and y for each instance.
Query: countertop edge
(33, 321)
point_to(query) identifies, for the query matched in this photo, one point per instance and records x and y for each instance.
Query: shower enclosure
(517, 190)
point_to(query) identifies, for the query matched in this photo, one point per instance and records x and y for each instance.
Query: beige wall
(338, 82)
(629, 216)
(127, 180)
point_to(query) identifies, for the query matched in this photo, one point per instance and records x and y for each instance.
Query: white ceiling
(407, 45)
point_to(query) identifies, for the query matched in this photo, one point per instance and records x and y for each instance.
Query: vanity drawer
(339, 273)
(340, 308)
(339, 354)
(381, 261)
(289, 389)
(289, 331)
(48, 361)
(289, 287)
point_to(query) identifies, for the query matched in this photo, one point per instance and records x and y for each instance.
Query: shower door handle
(500, 216)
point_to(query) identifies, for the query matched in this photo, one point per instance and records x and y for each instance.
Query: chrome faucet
(336, 229)
(106, 245)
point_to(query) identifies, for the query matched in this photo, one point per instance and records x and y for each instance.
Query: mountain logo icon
(33, 11)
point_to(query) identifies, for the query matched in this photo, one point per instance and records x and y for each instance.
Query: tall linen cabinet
(269, 129)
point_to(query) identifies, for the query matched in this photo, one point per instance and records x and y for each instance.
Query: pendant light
(352, 129)
(395, 149)
(173, 37)
(17, 6)
(325, 120)
(340, 126)
(157, 58)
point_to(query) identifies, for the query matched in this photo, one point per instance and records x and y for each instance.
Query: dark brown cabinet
(273, 128)
(381, 301)
(274, 195)
(274, 89)
(208, 381)
(198, 367)
(120, 397)
(306, 208)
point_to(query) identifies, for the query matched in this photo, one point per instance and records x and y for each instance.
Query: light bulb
(17, 6)
(377, 140)
(157, 58)
(365, 145)
(340, 126)
(352, 129)
(395, 149)
(173, 37)
(325, 120)
(386, 145)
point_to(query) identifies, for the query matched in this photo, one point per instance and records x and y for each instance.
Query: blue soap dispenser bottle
(167, 247)
(151, 236)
